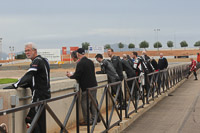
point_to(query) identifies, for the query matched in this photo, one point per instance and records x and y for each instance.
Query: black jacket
(37, 78)
(85, 74)
(154, 64)
(108, 68)
(162, 63)
(148, 63)
(116, 61)
(128, 69)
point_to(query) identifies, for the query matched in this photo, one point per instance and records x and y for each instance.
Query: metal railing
(43, 105)
(107, 95)
(158, 83)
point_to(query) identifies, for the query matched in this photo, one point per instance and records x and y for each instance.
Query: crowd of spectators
(133, 65)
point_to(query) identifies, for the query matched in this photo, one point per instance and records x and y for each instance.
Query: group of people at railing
(133, 66)
(38, 78)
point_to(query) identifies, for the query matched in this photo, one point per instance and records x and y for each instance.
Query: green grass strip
(7, 80)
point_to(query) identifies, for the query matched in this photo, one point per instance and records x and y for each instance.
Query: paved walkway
(177, 113)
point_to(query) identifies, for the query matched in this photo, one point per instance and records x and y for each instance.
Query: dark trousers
(114, 89)
(147, 87)
(194, 72)
(93, 110)
(41, 123)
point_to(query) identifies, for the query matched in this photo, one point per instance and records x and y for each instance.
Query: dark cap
(81, 51)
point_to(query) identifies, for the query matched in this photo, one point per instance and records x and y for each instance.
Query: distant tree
(197, 44)
(131, 45)
(184, 44)
(107, 46)
(85, 45)
(170, 44)
(157, 45)
(144, 44)
(120, 45)
(20, 56)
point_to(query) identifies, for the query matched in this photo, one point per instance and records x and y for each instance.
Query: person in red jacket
(192, 68)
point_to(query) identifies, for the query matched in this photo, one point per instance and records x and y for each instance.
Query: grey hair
(31, 44)
(144, 52)
(124, 55)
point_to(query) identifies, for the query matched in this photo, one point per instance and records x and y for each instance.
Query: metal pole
(88, 112)
(107, 106)
(126, 115)
(77, 113)
(13, 119)
(77, 107)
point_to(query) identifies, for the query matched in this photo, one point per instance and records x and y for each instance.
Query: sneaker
(195, 79)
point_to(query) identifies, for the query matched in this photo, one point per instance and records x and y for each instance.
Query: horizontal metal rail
(163, 79)
(43, 105)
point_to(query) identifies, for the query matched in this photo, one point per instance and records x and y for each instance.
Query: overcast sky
(57, 23)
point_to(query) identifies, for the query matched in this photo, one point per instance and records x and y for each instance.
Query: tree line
(144, 44)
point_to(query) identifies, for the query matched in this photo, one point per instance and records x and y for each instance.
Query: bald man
(162, 62)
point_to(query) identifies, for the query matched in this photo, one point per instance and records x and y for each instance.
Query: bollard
(14, 101)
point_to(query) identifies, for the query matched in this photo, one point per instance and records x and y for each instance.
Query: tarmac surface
(177, 113)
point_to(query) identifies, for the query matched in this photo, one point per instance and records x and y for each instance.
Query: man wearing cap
(85, 76)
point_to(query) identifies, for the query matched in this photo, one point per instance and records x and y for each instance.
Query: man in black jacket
(130, 72)
(162, 62)
(85, 76)
(116, 61)
(38, 79)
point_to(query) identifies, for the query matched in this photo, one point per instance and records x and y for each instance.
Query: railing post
(88, 112)
(14, 101)
(77, 107)
(125, 91)
(107, 106)
(121, 100)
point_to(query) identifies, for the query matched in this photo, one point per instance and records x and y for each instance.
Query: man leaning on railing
(38, 79)
(85, 76)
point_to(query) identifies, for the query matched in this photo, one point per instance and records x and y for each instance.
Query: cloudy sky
(57, 23)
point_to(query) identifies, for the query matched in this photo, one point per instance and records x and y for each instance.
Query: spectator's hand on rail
(10, 87)
(68, 74)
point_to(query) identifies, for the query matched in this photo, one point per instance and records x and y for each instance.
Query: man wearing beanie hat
(85, 76)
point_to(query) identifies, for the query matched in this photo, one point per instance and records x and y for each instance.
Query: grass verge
(7, 80)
